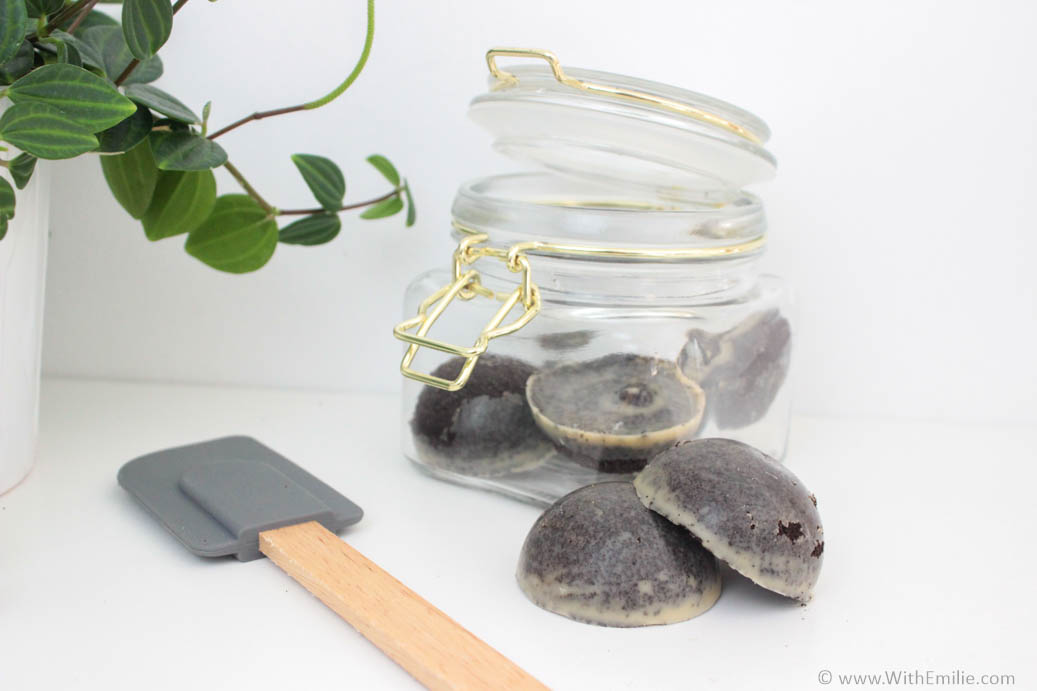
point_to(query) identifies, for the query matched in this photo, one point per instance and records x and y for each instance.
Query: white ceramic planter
(23, 259)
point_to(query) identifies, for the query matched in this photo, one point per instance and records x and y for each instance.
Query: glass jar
(606, 309)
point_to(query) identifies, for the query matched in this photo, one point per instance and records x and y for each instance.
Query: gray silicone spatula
(236, 496)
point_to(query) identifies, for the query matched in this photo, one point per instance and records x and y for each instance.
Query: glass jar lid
(622, 131)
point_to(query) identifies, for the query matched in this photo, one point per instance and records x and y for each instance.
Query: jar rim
(558, 210)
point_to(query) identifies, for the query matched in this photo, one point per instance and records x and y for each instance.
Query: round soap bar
(746, 509)
(615, 412)
(742, 369)
(484, 429)
(600, 557)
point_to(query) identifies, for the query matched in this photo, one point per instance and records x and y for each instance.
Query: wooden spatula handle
(434, 648)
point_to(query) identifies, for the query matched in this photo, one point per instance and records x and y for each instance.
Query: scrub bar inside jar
(485, 429)
(615, 412)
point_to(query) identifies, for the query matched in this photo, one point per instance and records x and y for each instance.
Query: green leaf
(68, 54)
(146, 72)
(45, 131)
(6, 199)
(128, 133)
(93, 18)
(311, 230)
(412, 214)
(12, 19)
(186, 151)
(132, 177)
(158, 100)
(182, 200)
(206, 111)
(62, 51)
(116, 54)
(237, 237)
(19, 65)
(6, 205)
(21, 169)
(89, 100)
(146, 25)
(38, 8)
(323, 178)
(385, 168)
(87, 51)
(390, 206)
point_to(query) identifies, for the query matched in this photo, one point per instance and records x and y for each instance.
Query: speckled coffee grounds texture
(612, 466)
(748, 510)
(566, 340)
(600, 557)
(486, 428)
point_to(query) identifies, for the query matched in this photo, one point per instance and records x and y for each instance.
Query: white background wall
(902, 212)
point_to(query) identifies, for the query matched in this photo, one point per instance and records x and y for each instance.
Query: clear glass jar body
(635, 336)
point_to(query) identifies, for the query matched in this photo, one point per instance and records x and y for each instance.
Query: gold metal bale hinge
(506, 78)
(467, 284)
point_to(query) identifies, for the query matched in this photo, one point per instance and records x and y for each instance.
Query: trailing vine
(77, 81)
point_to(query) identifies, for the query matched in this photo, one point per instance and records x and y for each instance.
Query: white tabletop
(929, 560)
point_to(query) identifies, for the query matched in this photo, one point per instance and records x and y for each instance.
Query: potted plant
(75, 81)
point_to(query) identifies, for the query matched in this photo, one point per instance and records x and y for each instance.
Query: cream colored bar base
(586, 606)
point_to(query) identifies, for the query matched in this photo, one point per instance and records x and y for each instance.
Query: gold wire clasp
(508, 78)
(467, 284)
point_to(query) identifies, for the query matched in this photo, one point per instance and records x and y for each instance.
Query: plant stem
(134, 62)
(249, 188)
(58, 19)
(126, 72)
(347, 207)
(82, 15)
(256, 116)
(323, 100)
(364, 54)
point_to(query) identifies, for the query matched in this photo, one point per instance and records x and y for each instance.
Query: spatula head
(215, 497)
